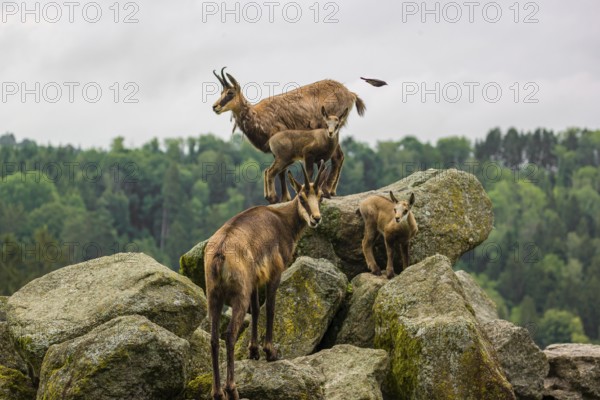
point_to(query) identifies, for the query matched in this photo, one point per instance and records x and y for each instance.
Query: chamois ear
(235, 83)
(323, 112)
(295, 184)
(411, 201)
(344, 114)
(394, 199)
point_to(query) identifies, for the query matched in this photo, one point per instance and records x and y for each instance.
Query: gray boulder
(3, 307)
(523, 363)
(436, 347)
(128, 357)
(14, 385)
(485, 309)
(310, 294)
(8, 355)
(452, 209)
(73, 300)
(350, 372)
(574, 371)
(358, 326)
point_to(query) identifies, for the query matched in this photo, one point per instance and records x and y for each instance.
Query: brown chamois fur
(253, 249)
(395, 221)
(298, 109)
(309, 146)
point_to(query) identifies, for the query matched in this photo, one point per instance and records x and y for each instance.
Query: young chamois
(253, 249)
(309, 146)
(297, 109)
(395, 221)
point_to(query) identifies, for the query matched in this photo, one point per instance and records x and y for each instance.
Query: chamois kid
(309, 146)
(395, 221)
(252, 249)
(297, 109)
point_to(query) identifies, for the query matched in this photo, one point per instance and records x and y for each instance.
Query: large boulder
(310, 294)
(524, 364)
(436, 347)
(73, 300)
(128, 357)
(358, 326)
(279, 380)
(522, 361)
(574, 371)
(485, 309)
(3, 307)
(8, 355)
(452, 209)
(14, 385)
(350, 372)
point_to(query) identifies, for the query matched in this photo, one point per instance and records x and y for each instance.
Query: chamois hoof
(254, 353)
(232, 393)
(272, 199)
(390, 275)
(272, 354)
(326, 194)
(376, 273)
(220, 395)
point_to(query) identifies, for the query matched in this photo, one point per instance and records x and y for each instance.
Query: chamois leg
(278, 167)
(269, 348)
(389, 249)
(239, 307)
(337, 160)
(255, 306)
(285, 194)
(215, 308)
(405, 258)
(367, 246)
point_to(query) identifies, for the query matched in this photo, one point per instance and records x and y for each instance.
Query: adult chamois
(297, 109)
(252, 249)
(395, 221)
(308, 146)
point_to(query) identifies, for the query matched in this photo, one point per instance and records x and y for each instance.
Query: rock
(524, 364)
(128, 357)
(8, 355)
(14, 385)
(485, 309)
(434, 342)
(574, 371)
(452, 209)
(350, 372)
(279, 380)
(310, 294)
(3, 307)
(358, 327)
(73, 300)
(200, 354)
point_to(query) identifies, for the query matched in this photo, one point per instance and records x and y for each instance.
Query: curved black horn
(306, 178)
(226, 84)
(320, 172)
(218, 77)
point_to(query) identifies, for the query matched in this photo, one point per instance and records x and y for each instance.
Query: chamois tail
(218, 259)
(360, 105)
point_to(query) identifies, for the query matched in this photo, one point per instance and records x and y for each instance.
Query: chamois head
(334, 123)
(309, 195)
(402, 208)
(230, 95)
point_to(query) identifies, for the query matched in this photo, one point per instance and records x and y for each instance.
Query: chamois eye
(405, 212)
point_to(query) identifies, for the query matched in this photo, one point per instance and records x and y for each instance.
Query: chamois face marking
(310, 196)
(333, 122)
(401, 208)
(230, 93)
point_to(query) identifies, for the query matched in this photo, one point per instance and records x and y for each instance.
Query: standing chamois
(309, 146)
(253, 249)
(297, 109)
(395, 221)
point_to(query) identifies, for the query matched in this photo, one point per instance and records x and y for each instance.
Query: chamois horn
(222, 78)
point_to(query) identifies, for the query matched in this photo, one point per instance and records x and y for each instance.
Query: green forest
(60, 205)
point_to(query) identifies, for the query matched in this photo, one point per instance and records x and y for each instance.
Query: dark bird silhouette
(374, 82)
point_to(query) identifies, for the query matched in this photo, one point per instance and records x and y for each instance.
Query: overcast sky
(543, 56)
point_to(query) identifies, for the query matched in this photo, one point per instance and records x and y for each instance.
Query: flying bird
(374, 82)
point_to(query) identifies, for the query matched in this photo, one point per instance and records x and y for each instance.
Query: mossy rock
(14, 385)
(191, 264)
(8, 355)
(71, 301)
(3, 307)
(126, 358)
(310, 294)
(436, 348)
